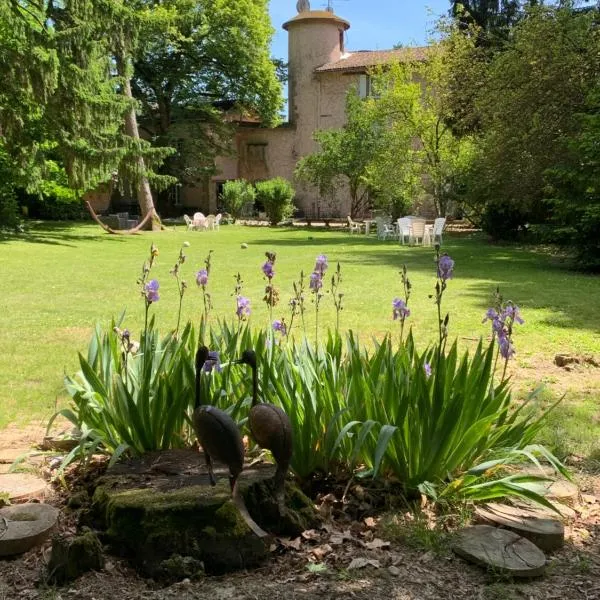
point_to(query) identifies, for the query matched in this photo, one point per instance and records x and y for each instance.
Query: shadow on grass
(57, 233)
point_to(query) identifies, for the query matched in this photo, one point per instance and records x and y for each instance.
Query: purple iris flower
(243, 307)
(268, 270)
(125, 335)
(399, 309)
(427, 368)
(506, 348)
(512, 311)
(202, 277)
(212, 362)
(445, 268)
(490, 314)
(321, 264)
(316, 281)
(279, 325)
(151, 291)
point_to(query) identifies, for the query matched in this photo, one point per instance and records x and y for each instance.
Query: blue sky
(374, 24)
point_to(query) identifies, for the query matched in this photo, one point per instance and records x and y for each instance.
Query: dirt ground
(317, 567)
(341, 560)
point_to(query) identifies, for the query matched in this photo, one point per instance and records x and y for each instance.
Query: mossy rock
(72, 557)
(161, 506)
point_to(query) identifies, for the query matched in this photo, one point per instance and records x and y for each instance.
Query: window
(342, 41)
(366, 89)
(256, 152)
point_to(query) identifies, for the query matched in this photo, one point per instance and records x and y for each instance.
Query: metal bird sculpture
(221, 440)
(270, 427)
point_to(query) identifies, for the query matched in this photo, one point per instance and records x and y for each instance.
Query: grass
(59, 280)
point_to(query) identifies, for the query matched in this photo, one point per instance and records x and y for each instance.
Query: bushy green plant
(441, 423)
(237, 194)
(276, 196)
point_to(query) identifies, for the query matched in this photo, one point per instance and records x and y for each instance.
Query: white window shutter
(362, 86)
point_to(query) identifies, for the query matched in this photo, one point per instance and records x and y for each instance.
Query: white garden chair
(189, 222)
(417, 231)
(353, 225)
(438, 228)
(210, 222)
(404, 230)
(217, 224)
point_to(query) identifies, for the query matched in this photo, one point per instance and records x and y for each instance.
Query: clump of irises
(242, 303)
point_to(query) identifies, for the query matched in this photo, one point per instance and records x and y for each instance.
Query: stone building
(320, 71)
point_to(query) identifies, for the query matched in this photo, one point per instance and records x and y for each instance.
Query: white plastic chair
(352, 225)
(417, 231)
(217, 224)
(189, 222)
(404, 230)
(438, 228)
(388, 231)
(210, 222)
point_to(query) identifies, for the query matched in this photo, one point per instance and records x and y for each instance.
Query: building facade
(320, 72)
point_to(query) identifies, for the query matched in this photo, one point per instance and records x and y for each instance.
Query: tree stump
(546, 533)
(161, 506)
(500, 550)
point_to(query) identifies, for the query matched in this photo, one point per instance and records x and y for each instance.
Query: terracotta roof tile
(363, 59)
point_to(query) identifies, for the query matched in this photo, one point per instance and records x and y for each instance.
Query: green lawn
(59, 280)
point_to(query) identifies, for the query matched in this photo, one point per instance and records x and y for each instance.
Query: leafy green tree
(276, 196)
(235, 195)
(345, 155)
(527, 108)
(206, 57)
(575, 189)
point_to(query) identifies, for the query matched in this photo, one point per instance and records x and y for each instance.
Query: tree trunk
(144, 193)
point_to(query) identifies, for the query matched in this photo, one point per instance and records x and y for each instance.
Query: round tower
(315, 37)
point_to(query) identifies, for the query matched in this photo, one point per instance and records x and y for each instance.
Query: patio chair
(353, 225)
(404, 230)
(189, 222)
(217, 224)
(417, 231)
(388, 231)
(210, 222)
(438, 228)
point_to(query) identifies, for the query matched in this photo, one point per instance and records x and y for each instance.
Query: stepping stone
(4, 468)
(24, 526)
(565, 512)
(563, 491)
(546, 533)
(500, 550)
(23, 486)
(9, 455)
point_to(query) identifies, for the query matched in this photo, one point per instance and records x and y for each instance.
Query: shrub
(9, 218)
(237, 194)
(276, 196)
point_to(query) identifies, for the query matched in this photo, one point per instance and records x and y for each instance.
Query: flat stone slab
(9, 455)
(160, 509)
(4, 468)
(563, 491)
(500, 550)
(23, 486)
(24, 526)
(546, 533)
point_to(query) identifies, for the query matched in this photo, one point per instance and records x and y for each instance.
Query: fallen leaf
(370, 522)
(311, 534)
(321, 551)
(316, 567)
(359, 563)
(377, 543)
(294, 544)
